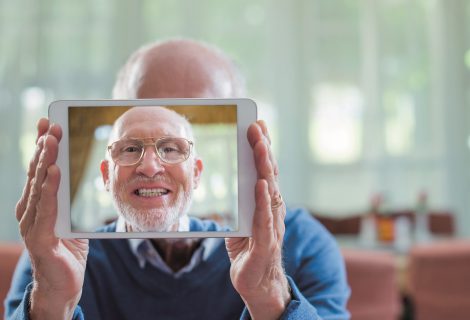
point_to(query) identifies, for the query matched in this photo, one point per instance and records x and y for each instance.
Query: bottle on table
(385, 223)
(421, 231)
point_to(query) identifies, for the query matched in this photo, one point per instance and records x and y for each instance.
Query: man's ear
(198, 167)
(104, 168)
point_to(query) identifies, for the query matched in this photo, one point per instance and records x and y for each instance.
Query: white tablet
(155, 168)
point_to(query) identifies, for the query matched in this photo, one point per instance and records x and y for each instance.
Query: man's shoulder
(300, 220)
(302, 229)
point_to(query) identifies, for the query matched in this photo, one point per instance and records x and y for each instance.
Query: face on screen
(153, 177)
(151, 182)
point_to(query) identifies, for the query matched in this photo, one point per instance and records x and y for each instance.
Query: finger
(265, 171)
(262, 233)
(56, 131)
(278, 210)
(259, 132)
(46, 215)
(21, 205)
(254, 134)
(264, 167)
(271, 155)
(42, 127)
(264, 129)
(48, 156)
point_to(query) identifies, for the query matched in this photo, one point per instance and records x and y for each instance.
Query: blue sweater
(115, 287)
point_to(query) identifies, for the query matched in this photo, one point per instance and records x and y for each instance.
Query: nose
(150, 164)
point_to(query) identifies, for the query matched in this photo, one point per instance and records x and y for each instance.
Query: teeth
(151, 192)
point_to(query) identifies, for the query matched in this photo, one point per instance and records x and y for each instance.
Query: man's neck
(176, 253)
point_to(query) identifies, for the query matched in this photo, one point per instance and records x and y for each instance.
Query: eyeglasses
(128, 152)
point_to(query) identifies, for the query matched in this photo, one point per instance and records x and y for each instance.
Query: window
(336, 123)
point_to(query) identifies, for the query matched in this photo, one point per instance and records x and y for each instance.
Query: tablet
(155, 168)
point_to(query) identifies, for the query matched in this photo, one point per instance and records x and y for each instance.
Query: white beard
(160, 219)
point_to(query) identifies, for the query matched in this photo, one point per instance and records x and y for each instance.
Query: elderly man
(290, 268)
(152, 171)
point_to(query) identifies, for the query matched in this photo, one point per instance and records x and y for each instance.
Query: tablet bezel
(246, 114)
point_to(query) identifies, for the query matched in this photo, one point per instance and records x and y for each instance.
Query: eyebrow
(151, 138)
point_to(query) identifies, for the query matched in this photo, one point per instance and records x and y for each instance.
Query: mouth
(151, 192)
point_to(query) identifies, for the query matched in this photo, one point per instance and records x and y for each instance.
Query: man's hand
(256, 263)
(58, 265)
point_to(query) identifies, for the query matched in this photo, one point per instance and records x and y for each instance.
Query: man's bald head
(178, 68)
(140, 114)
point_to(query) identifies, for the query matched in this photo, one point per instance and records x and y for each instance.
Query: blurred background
(367, 102)
(373, 95)
(362, 97)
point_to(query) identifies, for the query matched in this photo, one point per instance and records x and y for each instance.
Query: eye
(131, 149)
(169, 149)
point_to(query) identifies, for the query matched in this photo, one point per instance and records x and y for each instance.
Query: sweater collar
(145, 252)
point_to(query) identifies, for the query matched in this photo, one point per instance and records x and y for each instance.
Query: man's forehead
(150, 119)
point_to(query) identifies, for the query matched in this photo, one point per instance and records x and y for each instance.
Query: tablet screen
(96, 202)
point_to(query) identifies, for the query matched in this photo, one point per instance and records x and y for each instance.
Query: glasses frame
(153, 143)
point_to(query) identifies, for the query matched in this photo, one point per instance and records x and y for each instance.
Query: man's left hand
(256, 263)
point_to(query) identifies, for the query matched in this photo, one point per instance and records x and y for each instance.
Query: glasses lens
(126, 152)
(173, 150)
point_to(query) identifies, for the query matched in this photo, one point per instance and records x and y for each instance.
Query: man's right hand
(58, 265)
